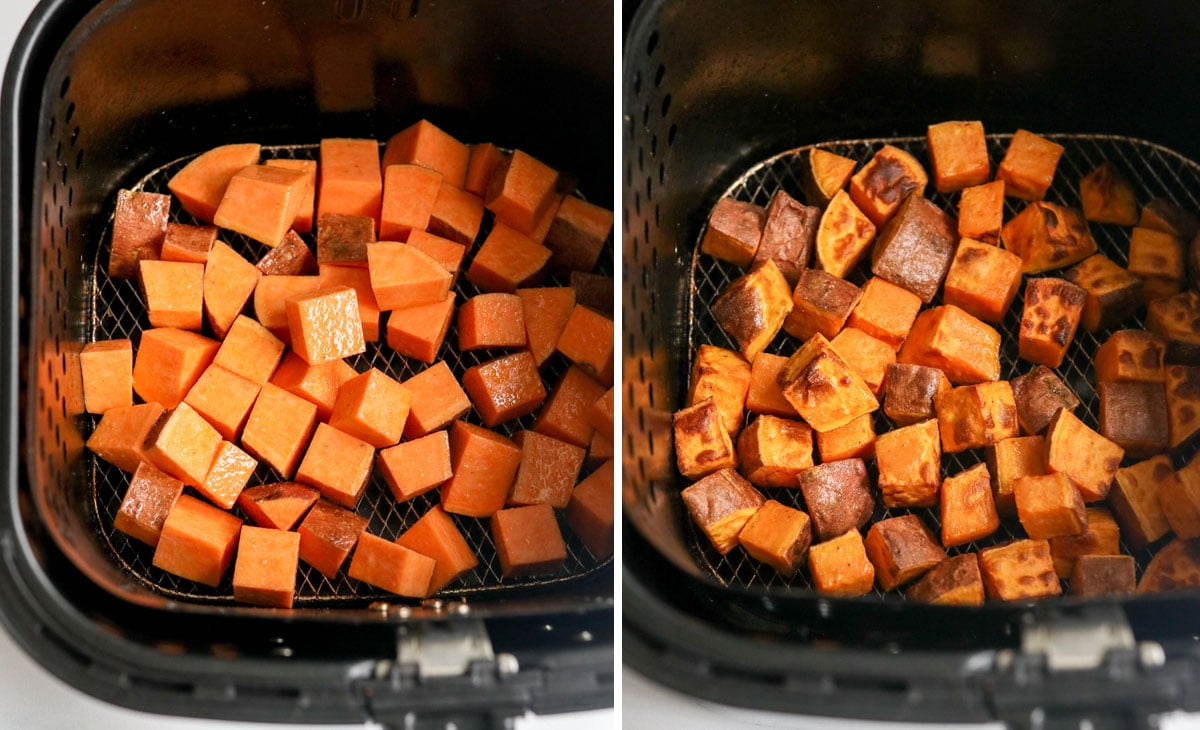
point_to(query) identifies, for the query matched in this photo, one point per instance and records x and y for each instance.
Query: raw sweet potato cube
(508, 259)
(249, 350)
(602, 413)
(855, 440)
(1040, 393)
(734, 231)
(261, 202)
(390, 566)
(1164, 215)
(548, 470)
(201, 183)
(326, 325)
(403, 276)
(519, 191)
(910, 465)
(840, 567)
(545, 312)
(821, 303)
(577, 234)
(169, 362)
(764, 394)
(838, 496)
(983, 280)
(418, 332)
(183, 445)
(1180, 501)
(1103, 575)
(867, 356)
(457, 215)
(436, 536)
(342, 239)
(772, 451)
(409, 192)
(484, 465)
(278, 506)
(1107, 197)
(844, 236)
(752, 308)
(1102, 537)
(590, 511)
(120, 436)
(372, 407)
(1112, 292)
(600, 449)
(327, 535)
(1049, 506)
(807, 381)
(317, 384)
(885, 311)
(968, 510)
(425, 144)
(173, 293)
(107, 373)
(190, 244)
(1053, 308)
(148, 499)
(278, 429)
(959, 154)
(229, 280)
(332, 276)
(564, 416)
(724, 376)
(587, 340)
(442, 250)
(1177, 319)
(1089, 459)
(1134, 416)
(981, 212)
(291, 257)
(265, 571)
(1047, 236)
(482, 161)
(491, 320)
(437, 400)
(909, 391)
(308, 200)
(965, 349)
(1157, 259)
(270, 300)
(505, 388)
(350, 179)
(1028, 166)
(825, 174)
(197, 541)
(777, 535)
(882, 184)
(1019, 570)
(415, 467)
(1008, 461)
(953, 582)
(1183, 404)
(1136, 496)
(528, 541)
(702, 443)
(901, 549)
(337, 464)
(231, 469)
(971, 416)
(720, 504)
(139, 225)
(788, 236)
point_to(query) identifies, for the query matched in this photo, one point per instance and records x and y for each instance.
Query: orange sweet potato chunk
(148, 499)
(415, 467)
(197, 541)
(825, 174)
(724, 376)
(308, 199)
(587, 341)
(332, 276)
(1028, 166)
(1107, 197)
(436, 536)
(564, 416)
(765, 395)
(278, 429)
(327, 535)
(372, 407)
(702, 444)
(981, 212)
(350, 181)
(325, 325)
(120, 436)
(337, 464)
(882, 184)
(844, 235)
(183, 445)
(437, 400)
(483, 159)
(772, 451)
(968, 510)
(189, 244)
(590, 511)
(1008, 461)
(1053, 310)
(317, 384)
(1112, 292)
(840, 567)
(910, 465)
(519, 191)
(1049, 506)
(491, 320)
(777, 535)
(545, 312)
(418, 332)
(392, 567)
(983, 280)
(505, 388)
(249, 350)
(265, 571)
(959, 154)
(807, 381)
(577, 234)
(403, 276)
(261, 202)
(885, 312)
(270, 300)
(107, 368)
(200, 185)
(425, 144)
(1048, 236)
(231, 469)
(342, 239)
(173, 292)
(821, 303)
(169, 361)
(866, 355)
(139, 226)
(484, 465)
(291, 257)
(855, 440)
(1087, 458)
(278, 506)
(508, 259)
(457, 215)
(951, 340)
(528, 541)
(442, 250)
(1019, 570)
(972, 416)
(548, 470)
(901, 549)
(229, 280)
(409, 192)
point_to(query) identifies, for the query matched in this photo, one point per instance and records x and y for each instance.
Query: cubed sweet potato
(838, 496)
(1177, 319)
(576, 235)
(840, 567)
(507, 260)
(457, 215)
(168, 363)
(372, 407)
(590, 513)
(1048, 236)
(139, 226)
(491, 320)
(772, 451)
(821, 303)
(425, 144)
(278, 428)
(1164, 215)
(1103, 575)
(1157, 259)
(484, 464)
(327, 535)
(1183, 405)
(1102, 537)
(965, 349)
(419, 332)
(1053, 308)
(1135, 499)
(448, 253)
(764, 394)
(278, 506)
(409, 192)
(824, 175)
(106, 368)
(844, 236)
(1131, 356)
(983, 280)
(1107, 197)
(788, 236)
(1028, 166)
(317, 384)
(1087, 458)
(971, 416)
(1176, 567)
(120, 436)
(148, 499)
(909, 391)
(548, 471)
(436, 536)
(564, 415)
(505, 388)
(261, 202)
(417, 466)
(1134, 416)
(1049, 506)
(702, 443)
(1040, 394)
(528, 541)
(721, 504)
(337, 464)
(308, 199)
(265, 571)
(968, 509)
(885, 311)
(753, 307)
(227, 476)
(197, 541)
(229, 280)
(392, 567)
(867, 356)
(885, 181)
(1008, 461)
(777, 535)
(1019, 570)
(183, 445)
(291, 257)
(1112, 292)
(342, 239)
(200, 184)
(1180, 501)
(270, 300)
(955, 581)
(545, 312)
(733, 232)
(822, 388)
(915, 248)
(351, 180)
(855, 440)
(724, 376)
(959, 154)
(403, 276)
(901, 549)
(519, 190)
(190, 244)
(981, 212)
(910, 465)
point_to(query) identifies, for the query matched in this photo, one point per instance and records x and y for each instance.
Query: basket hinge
(444, 648)
(1077, 641)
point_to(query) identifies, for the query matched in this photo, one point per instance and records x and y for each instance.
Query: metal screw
(1151, 654)
(506, 665)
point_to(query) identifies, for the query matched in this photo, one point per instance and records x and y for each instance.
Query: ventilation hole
(649, 189)
(654, 145)
(349, 9)
(641, 160)
(625, 216)
(60, 210)
(658, 75)
(657, 224)
(662, 173)
(66, 237)
(70, 113)
(666, 105)
(63, 176)
(58, 152)
(652, 43)
(53, 126)
(79, 160)
(74, 135)
(66, 86)
(637, 203)
(671, 135)
(646, 115)
(637, 82)
(71, 196)
(404, 9)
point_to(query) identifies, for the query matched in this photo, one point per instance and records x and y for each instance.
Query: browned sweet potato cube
(788, 235)
(981, 212)
(1048, 236)
(968, 510)
(724, 376)
(734, 230)
(1040, 393)
(971, 416)
(1177, 319)
(1102, 537)
(1180, 501)
(1183, 405)
(1107, 197)
(865, 355)
(1157, 259)
(910, 465)
(772, 451)
(983, 279)
(825, 174)
(843, 236)
(702, 443)
(885, 181)
(1019, 570)
(752, 308)
(840, 567)
(855, 440)
(1163, 215)
(1086, 457)
(949, 339)
(822, 387)
(838, 496)
(1131, 356)
(1028, 165)
(915, 247)
(1134, 416)
(1135, 499)
(777, 535)
(765, 395)
(909, 391)
(720, 504)
(821, 303)
(885, 311)
(1008, 461)
(1103, 575)
(901, 549)
(959, 154)
(953, 582)
(1049, 506)
(1175, 567)
(1053, 308)
(1112, 292)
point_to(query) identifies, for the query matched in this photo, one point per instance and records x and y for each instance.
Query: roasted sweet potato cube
(1086, 457)
(1107, 197)
(885, 181)
(981, 212)
(915, 248)
(959, 154)
(1163, 215)
(838, 496)
(901, 549)
(1136, 499)
(1112, 292)
(1175, 567)
(909, 391)
(1028, 166)
(822, 388)
(777, 535)
(840, 567)
(788, 235)
(1180, 501)
(148, 499)
(1177, 319)
(825, 174)
(327, 535)
(1019, 570)
(953, 582)
(772, 451)
(720, 504)
(844, 236)
(1008, 461)
(1040, 393)
(965, 349)
(971, 416)
(885, 311)
(1048, 236)
(1053, 308)
(1134, 416)
(865, 355)
(968, 510)
(855, 440)
(752, 308)
(1157, 258)
(702, 443)
(1102, 537)
(764, 394)
(733, 232)
(724, 376)
(1183, 404)
(1049, 506)
(1103, 575)
(910, 465)
(983, 280)
(139, 226)
(821, 303)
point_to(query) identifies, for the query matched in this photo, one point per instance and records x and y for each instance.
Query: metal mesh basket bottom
(117, 311)
(1154, 171)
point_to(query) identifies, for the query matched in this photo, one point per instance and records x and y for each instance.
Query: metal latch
(444, 648)
(1071, 641)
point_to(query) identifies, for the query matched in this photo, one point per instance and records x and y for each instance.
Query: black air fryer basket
(110, 95)
(726, 99)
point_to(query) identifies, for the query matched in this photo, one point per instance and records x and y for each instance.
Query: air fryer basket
(100, 95)
(715, 97)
